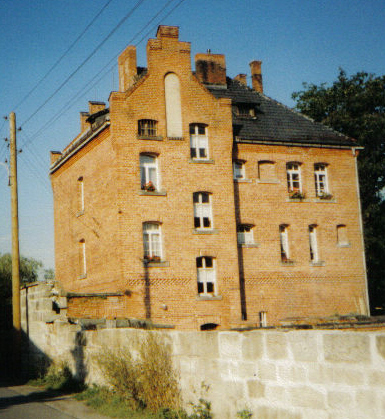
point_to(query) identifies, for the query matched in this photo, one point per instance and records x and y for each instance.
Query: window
(244, 111)
(82, 259)
(199, 143)
(284, 242)
(80, 195)
(239, 169)
(202, 210)
(262, 319)
(245, 234)
(266, 171)
(152, 243)
(293, 171)
(147, 128)
(321, 179)
(148, 172)
(342, 236)
(313, 243)
(206, 275)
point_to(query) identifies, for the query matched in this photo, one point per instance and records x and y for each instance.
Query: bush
(145, 382)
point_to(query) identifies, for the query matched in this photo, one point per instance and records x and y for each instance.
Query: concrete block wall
(293, 374)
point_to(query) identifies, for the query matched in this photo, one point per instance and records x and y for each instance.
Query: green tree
(28, 273)
(355, 106)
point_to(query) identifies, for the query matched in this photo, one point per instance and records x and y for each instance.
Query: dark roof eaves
(298, 143)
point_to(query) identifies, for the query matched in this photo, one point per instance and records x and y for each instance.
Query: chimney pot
(256, 76)
(242, 78)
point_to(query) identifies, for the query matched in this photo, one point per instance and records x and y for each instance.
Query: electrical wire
(87, 85)
(138, 3)
(63, 55)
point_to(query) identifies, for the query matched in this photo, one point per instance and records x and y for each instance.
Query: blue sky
(297, 41)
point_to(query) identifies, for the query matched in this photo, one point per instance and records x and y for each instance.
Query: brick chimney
(210, 68)
(127, 68)
(83, 121)
(94, 107)
(241, 78)
(256, 76)
(167, 32)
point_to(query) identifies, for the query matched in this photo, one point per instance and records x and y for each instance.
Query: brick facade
(101, 207)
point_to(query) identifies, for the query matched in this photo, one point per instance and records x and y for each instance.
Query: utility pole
(15, 241)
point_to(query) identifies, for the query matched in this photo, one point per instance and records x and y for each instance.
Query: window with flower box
(152, 242)
(293, 172)
(149, 179)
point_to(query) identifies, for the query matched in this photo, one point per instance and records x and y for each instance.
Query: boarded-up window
(342, 235)
(266, 171)
(173, 106)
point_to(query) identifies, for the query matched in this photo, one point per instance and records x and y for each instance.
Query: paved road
(25, 402)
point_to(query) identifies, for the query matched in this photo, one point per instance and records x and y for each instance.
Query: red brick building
(199, 202)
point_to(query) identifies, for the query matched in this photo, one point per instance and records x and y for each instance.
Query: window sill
(79, 213)
(319, 263)
(272, 181)
(343, 244)
(150, 137)
(161, 264)
(298, 200)
(153, 193)
(287, 263)
(175, 138)
(202, 161)
(243, 181)
(248, 245)
(205, 231)
(208, 297)
(84, 276)
(325, 201)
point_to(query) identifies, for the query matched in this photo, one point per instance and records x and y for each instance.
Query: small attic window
(245, 111)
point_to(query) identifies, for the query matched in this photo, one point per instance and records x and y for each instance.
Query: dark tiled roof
(273, 121)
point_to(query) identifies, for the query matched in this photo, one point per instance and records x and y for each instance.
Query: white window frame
(247, 235)
(206, 275)
(284, 242)
(145, 171)
(199, 143)
(293, 174)
(202, 211)
(313, 244)
(239, 170)
(152, 241)
(321, 179)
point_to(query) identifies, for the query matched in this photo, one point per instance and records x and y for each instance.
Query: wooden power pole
(15, 231)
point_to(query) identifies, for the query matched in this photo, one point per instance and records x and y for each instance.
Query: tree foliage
(355, 106)
(29, 268)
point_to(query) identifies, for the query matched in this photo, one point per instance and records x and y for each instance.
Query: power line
(138, 3)
(63, 55)
(87, 85)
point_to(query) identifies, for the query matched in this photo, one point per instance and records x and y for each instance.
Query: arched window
(202, 210)
(152, 242)
(313, 245)
(173, 106)
(199, 143)
(206, 275)
(149, 178)
(284, 242)
(80, 195)
(82, 259)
